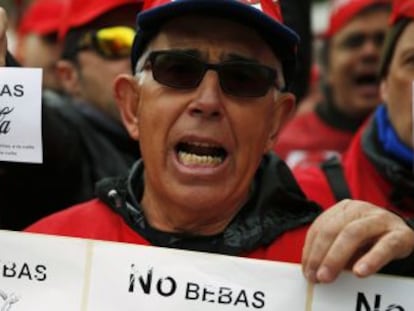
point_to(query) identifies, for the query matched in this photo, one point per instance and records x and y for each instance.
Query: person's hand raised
(356, 235)
(3, 38)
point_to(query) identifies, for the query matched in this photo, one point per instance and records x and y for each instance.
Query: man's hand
(3, 39)
(357, 235)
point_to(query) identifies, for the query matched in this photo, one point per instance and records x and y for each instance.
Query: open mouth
(200, 154)
(366, 80)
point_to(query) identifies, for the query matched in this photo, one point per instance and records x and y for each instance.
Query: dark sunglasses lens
(245, 80)
(177, 70)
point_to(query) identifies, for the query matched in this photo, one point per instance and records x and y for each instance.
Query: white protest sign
(39, 272)
(167, 279)
(20, 115)
(376, 293)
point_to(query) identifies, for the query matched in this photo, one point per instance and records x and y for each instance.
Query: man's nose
(371, 52)
(208, 102)
(371, 46)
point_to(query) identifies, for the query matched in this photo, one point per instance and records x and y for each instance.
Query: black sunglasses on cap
(237, 78)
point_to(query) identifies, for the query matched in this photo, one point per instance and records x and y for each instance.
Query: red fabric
(287, 248)
(400, 9)
(364, 181)
(94, 220)
(344, 10)
(81, 12)
(306, 141)
(269, 7)
(90, 220)
(42, 17)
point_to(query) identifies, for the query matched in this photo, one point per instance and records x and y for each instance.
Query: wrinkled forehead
(214, 36)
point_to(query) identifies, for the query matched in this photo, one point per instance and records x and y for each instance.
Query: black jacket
(79, 148)
(275, 206)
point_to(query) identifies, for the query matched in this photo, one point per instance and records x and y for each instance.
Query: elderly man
(206, 101)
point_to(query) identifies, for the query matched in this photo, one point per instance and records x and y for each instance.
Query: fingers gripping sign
(355, 235)
(3, 39)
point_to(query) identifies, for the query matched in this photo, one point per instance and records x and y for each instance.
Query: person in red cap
(378, 167)
(350, 59)
(37, 42)
(83, 137)
(97, 37)
(208, 94)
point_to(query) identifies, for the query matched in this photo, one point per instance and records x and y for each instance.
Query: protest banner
(40, 272)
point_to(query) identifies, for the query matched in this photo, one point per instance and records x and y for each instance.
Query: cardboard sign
(39, 272)
(20, 115)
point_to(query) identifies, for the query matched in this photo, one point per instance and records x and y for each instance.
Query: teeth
(198, 144)
(193, 159)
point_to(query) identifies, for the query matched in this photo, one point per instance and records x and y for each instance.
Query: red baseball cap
(42, 17)
(342, 11)
(262, 15)
(401, 9)
(81, 12)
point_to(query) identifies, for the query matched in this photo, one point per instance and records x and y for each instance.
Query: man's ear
(126, 92)
(285, 106)
(69, 77)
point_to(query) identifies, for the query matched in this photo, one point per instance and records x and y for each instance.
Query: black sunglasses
(237, 78)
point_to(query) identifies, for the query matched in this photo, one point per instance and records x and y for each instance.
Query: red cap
(342, 11)
(401, 9)
(42, 17)
(82, 12)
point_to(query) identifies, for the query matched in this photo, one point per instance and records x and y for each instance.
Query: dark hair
(390, 43)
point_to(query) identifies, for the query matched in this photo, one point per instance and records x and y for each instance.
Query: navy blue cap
(264, 16)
